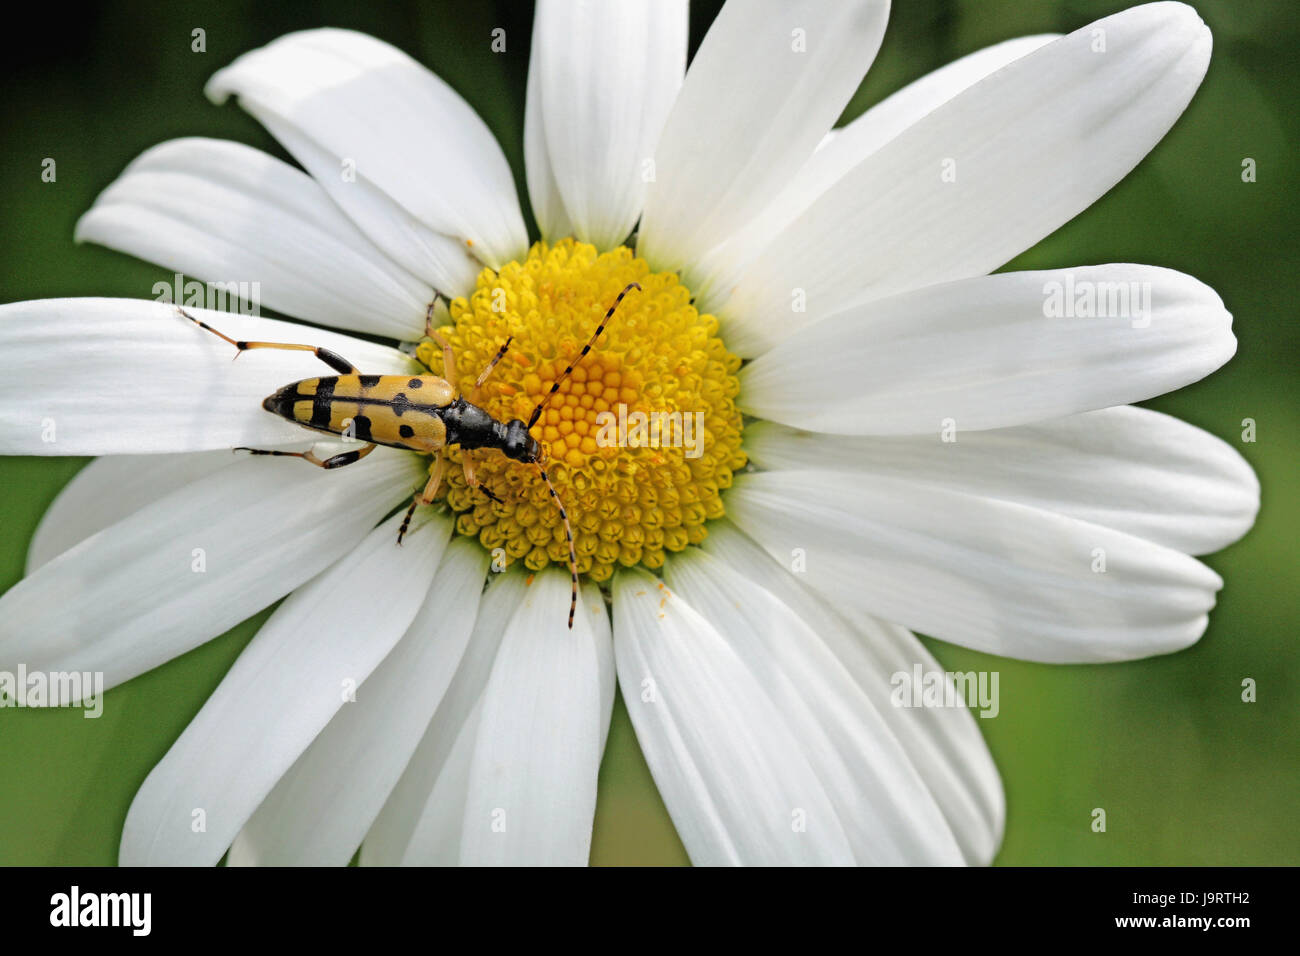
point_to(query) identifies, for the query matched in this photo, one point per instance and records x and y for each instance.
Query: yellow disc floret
(639, 441)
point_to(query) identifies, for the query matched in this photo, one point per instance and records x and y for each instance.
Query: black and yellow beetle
(422, 413)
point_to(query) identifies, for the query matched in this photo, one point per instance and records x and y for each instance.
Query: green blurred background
(1187, 772)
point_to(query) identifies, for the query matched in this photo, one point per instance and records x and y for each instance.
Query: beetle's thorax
(471, 427)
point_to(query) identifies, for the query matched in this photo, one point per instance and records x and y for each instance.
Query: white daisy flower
(756, 622)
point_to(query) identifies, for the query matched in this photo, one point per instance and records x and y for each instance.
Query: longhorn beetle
(418, 412)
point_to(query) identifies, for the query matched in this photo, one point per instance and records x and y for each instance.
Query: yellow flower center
(639, 441)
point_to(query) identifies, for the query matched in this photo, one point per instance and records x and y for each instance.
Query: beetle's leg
(435, 479)
(428, 316)
(487, 372)
(334, 461)
(471, 475)
(426, 496)
(448, 359)
(332, 359)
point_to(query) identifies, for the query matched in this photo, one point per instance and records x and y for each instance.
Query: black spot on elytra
(361, 427)
(406, 431)
(368, 381)
(415, 383)
(399, 404)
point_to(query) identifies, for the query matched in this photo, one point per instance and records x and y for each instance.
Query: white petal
(442, 261)
(767, 83)
(420, 824)
(278, 695)
(881, 802)
(731, 773)
(841, 151)
(1135, 470)
(543, 190)
(108, 489)
(983, 177)
(994, 575)
(591, 601)
(195, 563)
(894, 114)
(532, 779)
(319, 812)
(991, 351)
(147, 380)
(434, 816)
(229, 214)
(943, 744)
(602, 76)
(372, 109)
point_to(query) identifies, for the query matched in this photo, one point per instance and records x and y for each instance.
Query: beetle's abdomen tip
(281, 402)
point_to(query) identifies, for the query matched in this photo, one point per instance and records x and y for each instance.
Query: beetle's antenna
(537, 412)
(568, 536)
